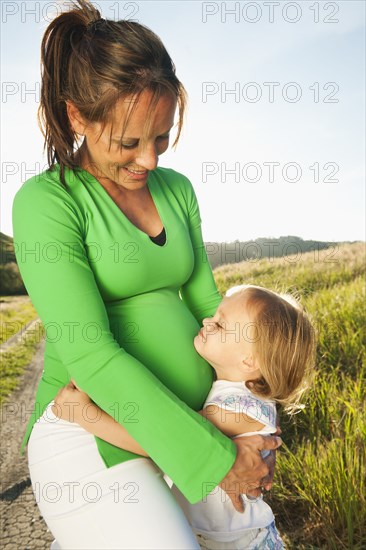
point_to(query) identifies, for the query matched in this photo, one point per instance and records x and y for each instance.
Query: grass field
(319, 496)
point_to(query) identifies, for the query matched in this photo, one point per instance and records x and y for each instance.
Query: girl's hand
(70, 402)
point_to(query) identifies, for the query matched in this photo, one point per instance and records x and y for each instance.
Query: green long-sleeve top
(120, 314)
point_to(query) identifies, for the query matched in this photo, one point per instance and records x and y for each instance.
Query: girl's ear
(250, 363)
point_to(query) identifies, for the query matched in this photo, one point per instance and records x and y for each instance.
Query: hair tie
(92, 25)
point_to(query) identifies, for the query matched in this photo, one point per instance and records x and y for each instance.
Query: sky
(274, 137)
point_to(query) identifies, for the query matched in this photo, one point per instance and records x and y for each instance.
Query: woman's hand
(70, 402)
(270, 460)
(250, 472)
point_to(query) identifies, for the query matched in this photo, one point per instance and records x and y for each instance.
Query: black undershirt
(159, 239)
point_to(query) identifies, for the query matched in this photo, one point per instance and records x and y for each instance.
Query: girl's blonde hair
(94, 62)
(284, 345)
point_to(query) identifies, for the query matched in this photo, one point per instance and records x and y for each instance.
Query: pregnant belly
(158, 329)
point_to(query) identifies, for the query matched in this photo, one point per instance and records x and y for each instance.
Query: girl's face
(227, 340)
(127, 167)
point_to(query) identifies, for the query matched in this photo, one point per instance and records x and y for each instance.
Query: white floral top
(236, 397)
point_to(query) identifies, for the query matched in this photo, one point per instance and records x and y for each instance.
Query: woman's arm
(200, 292)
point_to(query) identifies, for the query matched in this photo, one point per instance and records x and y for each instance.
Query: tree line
(11, 282)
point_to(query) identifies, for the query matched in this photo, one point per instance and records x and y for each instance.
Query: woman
(110, 250)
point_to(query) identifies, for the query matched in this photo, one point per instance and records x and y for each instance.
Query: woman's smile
(135, 174)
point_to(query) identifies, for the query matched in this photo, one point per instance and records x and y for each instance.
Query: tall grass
(319, 496)
(15, 313)
(16, 358)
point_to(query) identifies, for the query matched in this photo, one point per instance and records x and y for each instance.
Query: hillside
(11, 283)
(6, 249)
(263, 247)
(217, 253)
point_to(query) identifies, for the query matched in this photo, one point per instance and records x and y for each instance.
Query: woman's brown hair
(94, 62)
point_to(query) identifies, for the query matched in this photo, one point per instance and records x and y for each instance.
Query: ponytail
(61, 38)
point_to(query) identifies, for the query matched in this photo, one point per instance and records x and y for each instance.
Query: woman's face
(129, 166)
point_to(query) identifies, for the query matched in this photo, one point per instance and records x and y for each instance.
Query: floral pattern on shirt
(240, 402)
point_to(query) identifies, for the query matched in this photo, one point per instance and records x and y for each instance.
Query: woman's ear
(75, 118)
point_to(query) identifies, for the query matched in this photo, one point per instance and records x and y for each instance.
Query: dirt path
(19, 336)
(22, 527)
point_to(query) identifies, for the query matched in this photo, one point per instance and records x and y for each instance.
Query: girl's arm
(230, 423)
(74, 405)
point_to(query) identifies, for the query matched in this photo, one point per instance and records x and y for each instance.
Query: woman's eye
(120, 144)
(133, 145)
(129, 145)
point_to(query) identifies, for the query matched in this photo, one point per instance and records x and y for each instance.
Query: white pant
(88, 506)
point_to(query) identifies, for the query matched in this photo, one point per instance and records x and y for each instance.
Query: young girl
(262, 348)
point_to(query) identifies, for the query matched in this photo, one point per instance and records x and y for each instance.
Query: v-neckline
(154, 198)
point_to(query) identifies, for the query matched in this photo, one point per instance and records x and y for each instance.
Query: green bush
(11, 282)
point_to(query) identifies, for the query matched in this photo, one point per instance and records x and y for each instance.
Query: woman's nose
(147, 158)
